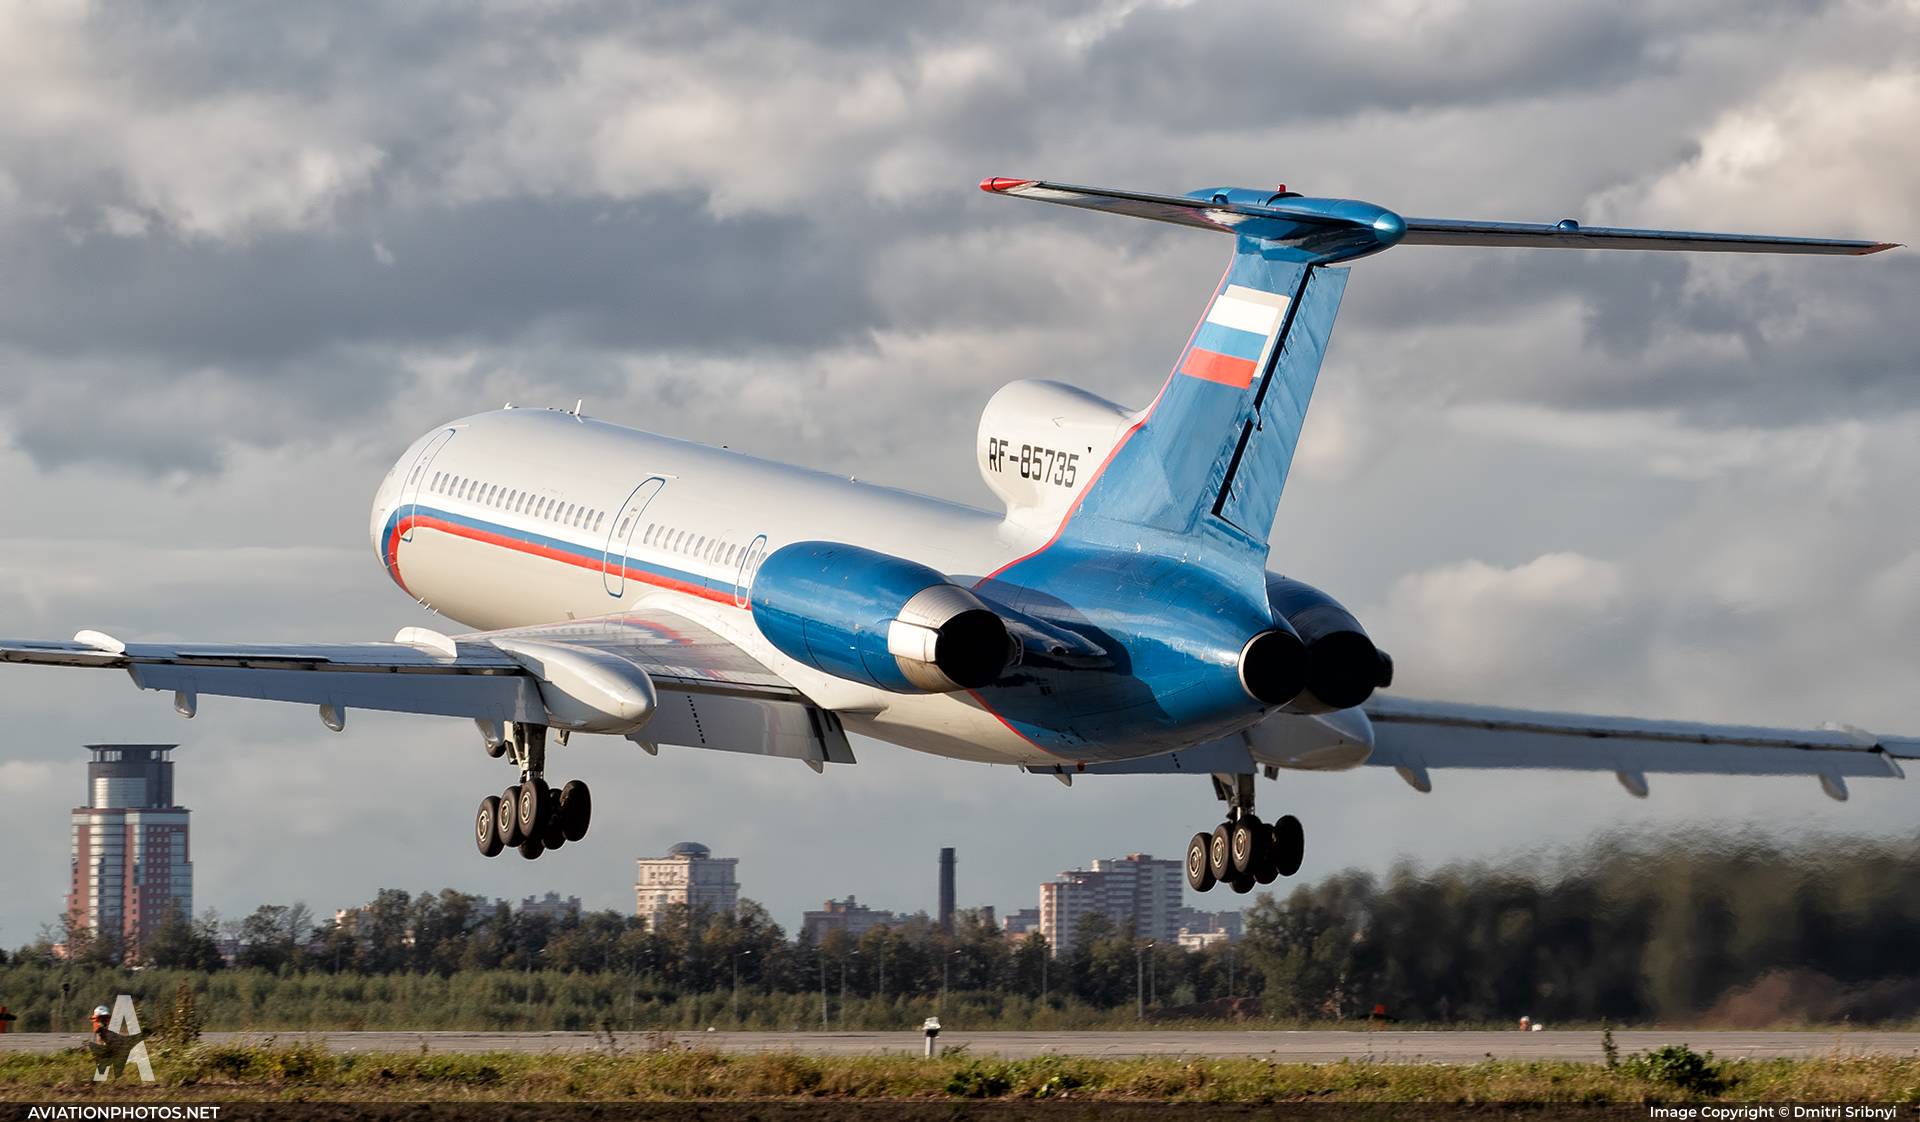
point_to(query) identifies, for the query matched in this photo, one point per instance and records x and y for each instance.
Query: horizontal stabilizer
(1324, 230)
(1568, 234)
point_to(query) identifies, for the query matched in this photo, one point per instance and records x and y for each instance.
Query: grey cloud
(656, 274)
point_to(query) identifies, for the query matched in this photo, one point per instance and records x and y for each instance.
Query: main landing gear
(531, 817)
(1244, 851)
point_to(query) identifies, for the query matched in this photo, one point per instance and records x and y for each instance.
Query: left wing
(654, 675)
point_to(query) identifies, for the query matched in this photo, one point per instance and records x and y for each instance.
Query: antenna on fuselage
(578, 402)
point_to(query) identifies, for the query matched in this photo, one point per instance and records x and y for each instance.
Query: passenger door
(620, 535)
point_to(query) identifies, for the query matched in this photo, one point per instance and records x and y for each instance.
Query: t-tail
(1210, 456)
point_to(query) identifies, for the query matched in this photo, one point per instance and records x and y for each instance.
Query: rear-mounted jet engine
(1343, 667)
(878, 619)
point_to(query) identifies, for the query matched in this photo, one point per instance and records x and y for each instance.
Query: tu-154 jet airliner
(1117, 616)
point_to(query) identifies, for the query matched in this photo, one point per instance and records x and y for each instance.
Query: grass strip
(302, 1071)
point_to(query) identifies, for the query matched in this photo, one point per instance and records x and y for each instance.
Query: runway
(1314, 1046)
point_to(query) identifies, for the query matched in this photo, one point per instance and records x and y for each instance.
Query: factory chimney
(946, 889)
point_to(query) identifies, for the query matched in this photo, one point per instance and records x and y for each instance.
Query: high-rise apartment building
(1134, 891)
(689, 874)
(131, 863)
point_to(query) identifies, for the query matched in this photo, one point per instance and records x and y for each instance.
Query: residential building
(847, 915)
(550, 906)
(689, 875)
(131, 866)
(1021, 923)
(1135, 891)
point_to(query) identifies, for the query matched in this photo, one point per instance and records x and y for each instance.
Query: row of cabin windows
(518, 502)
(697, 546)
(522, 502)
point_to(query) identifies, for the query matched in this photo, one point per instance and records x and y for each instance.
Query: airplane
(1118, 615)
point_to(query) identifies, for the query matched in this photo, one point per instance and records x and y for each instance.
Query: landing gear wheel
(1268, 870)
(510, 835)
(1248, 843)
(576, 809)
(1220, 852)
(1289, 845)
(534, 804)
(551, 834)
(1241, 884)
(1199, 871)
(531, 848)
(486, 827)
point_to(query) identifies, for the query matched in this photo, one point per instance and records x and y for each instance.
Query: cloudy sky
(247, 254)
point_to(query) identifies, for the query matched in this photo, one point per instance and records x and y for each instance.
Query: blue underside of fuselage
(1170, 630)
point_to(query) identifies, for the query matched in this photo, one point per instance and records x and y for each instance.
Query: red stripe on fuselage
(488, 537)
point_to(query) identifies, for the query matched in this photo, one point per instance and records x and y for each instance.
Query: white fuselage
(530, 501)
(521, 517)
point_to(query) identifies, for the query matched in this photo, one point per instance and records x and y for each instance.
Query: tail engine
(882, 620)
(1317, 658)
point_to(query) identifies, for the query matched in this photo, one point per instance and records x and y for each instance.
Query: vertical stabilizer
(1212, 453)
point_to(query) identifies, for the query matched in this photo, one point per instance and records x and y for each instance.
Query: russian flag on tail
(1234, 337)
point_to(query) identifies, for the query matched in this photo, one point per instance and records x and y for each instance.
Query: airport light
(946, 970)
(1140, 979)
(736, 986)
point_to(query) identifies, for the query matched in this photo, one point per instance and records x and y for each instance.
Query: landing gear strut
(1243, 851)
(531, 817)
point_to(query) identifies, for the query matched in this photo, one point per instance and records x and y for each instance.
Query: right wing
(706, 691)
(1414, 736)
(1417, 737)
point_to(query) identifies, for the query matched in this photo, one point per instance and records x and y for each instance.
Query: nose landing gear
(531, 817)
(1244, 851)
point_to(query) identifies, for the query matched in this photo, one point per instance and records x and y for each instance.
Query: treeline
(1668, 929)
(450, 934)
(1692, 926)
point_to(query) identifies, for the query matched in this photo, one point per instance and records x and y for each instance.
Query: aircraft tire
(1249, 840)
(1199, 871)
(533, 806)
(576, 809)
(1289, 845)
(510, 835)
(1220, 852)
(1242, 884)
(486, 827)
(531, 848)
(552, 836)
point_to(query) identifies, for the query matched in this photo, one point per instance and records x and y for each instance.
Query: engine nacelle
(1040, 443)
(874, 618)
(1343, 667)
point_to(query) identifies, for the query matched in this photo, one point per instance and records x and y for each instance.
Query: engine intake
(878, 619)
(1343, 667)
